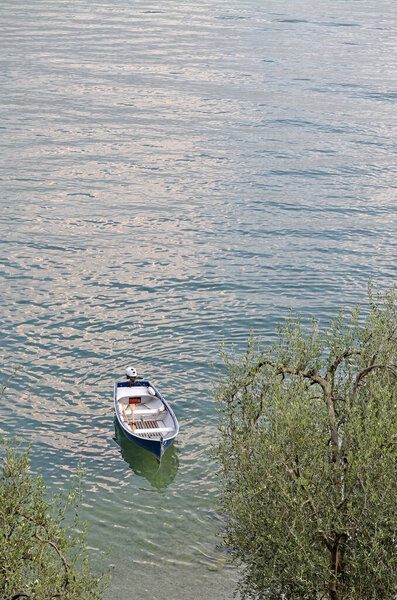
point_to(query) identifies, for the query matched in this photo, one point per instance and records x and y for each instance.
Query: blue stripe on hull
(153, 446)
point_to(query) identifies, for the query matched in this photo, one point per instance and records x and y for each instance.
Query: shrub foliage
(40, 557)
(307, 449)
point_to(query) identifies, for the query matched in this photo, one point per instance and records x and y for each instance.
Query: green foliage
(307, 448)
(40, 558)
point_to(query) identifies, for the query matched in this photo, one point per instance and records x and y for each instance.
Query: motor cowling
(131, 374)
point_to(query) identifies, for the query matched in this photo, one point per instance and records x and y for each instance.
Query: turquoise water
(172, 176)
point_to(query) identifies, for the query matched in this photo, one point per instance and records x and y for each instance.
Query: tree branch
(57, 550)
(325, 539)
(364, 373)
(310, 502)
(49, 542)
(282, 370)
(329, 400)
(340, 359)
(375, 356)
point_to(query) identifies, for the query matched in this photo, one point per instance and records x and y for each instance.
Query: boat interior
(143, 413)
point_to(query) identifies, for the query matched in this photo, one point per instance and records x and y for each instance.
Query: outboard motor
(131, 374)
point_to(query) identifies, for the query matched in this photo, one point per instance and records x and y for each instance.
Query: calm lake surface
(174, 174)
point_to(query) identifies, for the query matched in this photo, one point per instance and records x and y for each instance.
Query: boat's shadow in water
(142, 463)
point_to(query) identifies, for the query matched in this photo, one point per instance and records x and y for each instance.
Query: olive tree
(40, 556)
(307, 454)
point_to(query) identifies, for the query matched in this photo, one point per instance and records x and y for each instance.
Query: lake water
(174, 175)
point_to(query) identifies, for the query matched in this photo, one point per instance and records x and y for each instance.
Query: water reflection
(144, 464)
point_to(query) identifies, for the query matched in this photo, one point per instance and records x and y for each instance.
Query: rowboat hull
(153, 446)
(143, 464)
(150, 440)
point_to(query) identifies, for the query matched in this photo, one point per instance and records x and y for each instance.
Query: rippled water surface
(172, 176)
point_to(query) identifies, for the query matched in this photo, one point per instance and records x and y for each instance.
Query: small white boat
(144, 416)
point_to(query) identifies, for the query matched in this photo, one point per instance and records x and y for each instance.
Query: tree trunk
(333, 593)
(337, 568)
